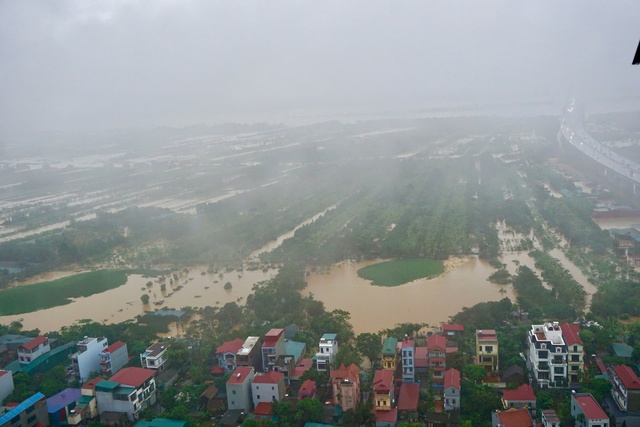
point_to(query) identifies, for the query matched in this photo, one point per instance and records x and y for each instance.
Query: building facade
(6, 384)
(33, 349)
(575, 351)
(437, 358)
(129, 391)
(155, 357)
(113, 358)
(86, 359)
(407, 354)
(451, 390)
(345, 385)
(227, 354)
(239, 388)
(548, 351)
(626, 388)
(28, 413)
(389, 353)
(249, 354)
(383, 396)
(268, 387)
(272, 347)
(487, 350)
(586, 412)
(327, 350)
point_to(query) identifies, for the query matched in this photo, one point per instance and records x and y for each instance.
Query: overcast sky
(113, 64)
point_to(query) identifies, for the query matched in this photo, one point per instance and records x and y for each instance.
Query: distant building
(31, 350)
(86, 360)
(586, 412)
(239, 388)
(29, 413)
(437, 348)
(249, 354)
(389, 353)
(451, 390)
(272, 347)
(345, 384)
(113, 358)
(407, 354)
(327, 350)
(452, 330)
(487, 349)
(6, 384)
(155, 357)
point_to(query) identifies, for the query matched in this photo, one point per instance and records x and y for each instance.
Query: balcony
(543, 366)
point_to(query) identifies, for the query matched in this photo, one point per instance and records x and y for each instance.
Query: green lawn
(28, 298)
(395, 273)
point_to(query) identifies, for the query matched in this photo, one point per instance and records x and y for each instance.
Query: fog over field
(90, 66)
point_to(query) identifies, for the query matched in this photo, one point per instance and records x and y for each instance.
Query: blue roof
(161, 422)
(166, 312)
(8, 416)
(330, 337)
(622, 350)
(63, 399)
(294, 348)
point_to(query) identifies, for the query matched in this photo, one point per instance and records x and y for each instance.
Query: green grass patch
(399, 272)
(29, 298)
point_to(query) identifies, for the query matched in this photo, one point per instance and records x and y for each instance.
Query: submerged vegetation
(398, 272)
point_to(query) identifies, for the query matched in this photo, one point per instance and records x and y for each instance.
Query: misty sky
(92, 65)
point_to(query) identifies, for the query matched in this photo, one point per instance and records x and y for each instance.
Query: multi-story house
(31, 350)
(86, 360)
(113, 358)
(6, 384)
(272, 347)
(522, 397)
(626, 388)
(575, 351)
(239, 388)
(389, 353)
(86, 406)
(327, 350)
(345, 384)
(407, 353)
(437, 357)
(487, 349)
(227, 354)
(28, 413)
(268, 387)
(550, 418)
(383, 390)
(547, 361)
(249, 354)
(129, 391)
(61, 405)
(155, 357)
(586, 412)
(451, 389)
(408, 398)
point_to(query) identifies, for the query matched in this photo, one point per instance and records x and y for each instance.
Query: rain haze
(117, 64)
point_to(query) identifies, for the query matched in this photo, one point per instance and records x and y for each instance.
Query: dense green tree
(370, 345)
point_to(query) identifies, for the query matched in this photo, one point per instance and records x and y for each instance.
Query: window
(489, 349)
(233, 392)
(558, 349)
(258, 397)
(273, 388)
(479, 348)
(30, 409)
(543, 346)
(31, 419)
(575, 348)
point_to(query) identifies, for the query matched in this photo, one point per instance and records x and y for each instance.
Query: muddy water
(430, 301)
(117, 305)
(617, 223)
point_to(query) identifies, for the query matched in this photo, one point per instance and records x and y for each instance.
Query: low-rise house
(155, 356)
(296, 349)
(408, 398)
(451, 330)
(512, 418)
(436, 347)
(522, 397)
(6, 384)
(626, 388)
(61, 405)
(86, 360)
(383, 390)
(268, 387)
(386, 418)
(250, 353)
(550, 418)
(451, 390)
(113, 358)
(307, 390)
(586, 412)
(213, 400)
(31, 350)
(407, 354)
(239, 388)
(303, 366)
(389, 353)
(513, 375)
(128, 392)
(263, 411)
(226, 354)
(86, 408)
(327, 350)
(345, 385)
(28, 413)
(487, 349)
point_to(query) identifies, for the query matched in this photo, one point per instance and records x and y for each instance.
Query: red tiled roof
(308, 388)
(217, 370)
(570, 332)
(522, 393)
(421, 360)
(453, 327)
(271, 377)
(387, 416)
(436, 342)
(271, 337)
(35, 342)
(516, 418)
(408, 397)
(451, 350)
(134, 377)
(383, 381)
(603, 369)
(350, 372)
(230, 346)
(407, 342)
(2, 373)
(263, 408)
(113, 347)
(239, 375)
(303, 366)
(452, 378)
(91, 384)
(628, 377)
(590, 407)
(486, 335)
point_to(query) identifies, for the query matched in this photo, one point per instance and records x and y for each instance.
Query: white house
(328, 348)
(586, 412)
(87, 359)
(129, 391)
(155, 356)
(451, 389)
(6, 384)
(239, 388)
(113, 358)
(30, 351)
(268, 387)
